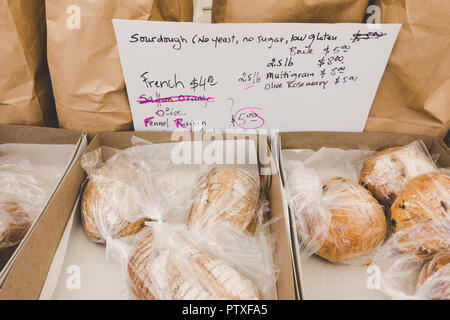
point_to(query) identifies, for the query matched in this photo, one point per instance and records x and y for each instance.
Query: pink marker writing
(148, 120)
(178, 123)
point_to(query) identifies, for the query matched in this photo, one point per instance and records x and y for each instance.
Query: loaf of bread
(386, 173)
(420, 215)
(181, 271)
(226, 194)
(115, 199)
(434, 279)
(14, 224)
(357, 224)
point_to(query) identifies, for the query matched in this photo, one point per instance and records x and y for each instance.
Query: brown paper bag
(84, 60)
(25, 89)
(414, 93)
(170, 10)
(319, 11)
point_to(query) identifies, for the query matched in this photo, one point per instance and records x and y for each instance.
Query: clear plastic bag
(420, 218)
(386, 173)
(227, 194)
(129, 187)
(17, 180)
(434, 278)
(335, 219)
(200, 230)
(14, 224)
(418, 250)
(119, 197)
(172, 262)
(304, 190)
(22, 198)
(410, 277)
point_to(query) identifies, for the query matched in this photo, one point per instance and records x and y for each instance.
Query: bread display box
(172, 215)
(38, 188)
(369, 214)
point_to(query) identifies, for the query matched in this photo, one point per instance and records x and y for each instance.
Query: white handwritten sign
(292, 77)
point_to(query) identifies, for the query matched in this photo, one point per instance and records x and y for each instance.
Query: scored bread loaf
(434, 279)
(181, 271)
(226, 194)
(357, 224)
(114, 199)
(387, 172)
(420, 215)
(14, 224)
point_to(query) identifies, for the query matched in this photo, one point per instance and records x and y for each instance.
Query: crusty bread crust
(14, 224)
(357, 225)
(108, 201)
(184, 273)
(386, 173)
(421, 212)
(226, 194)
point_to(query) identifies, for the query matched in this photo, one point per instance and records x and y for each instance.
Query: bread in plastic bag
(338, 220)
(434, 278)
(420, 215)
(227, 194)
(420, 243)
(142, 183)
(172, 262)
(386, 173)
(312, 220)
(167, 259)
(411, 277)
(14, 224)
(22, 198)
(357, 225)
(117, 200)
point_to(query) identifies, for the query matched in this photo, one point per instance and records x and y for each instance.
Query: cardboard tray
(282, 254)
(29, 269)
(335, 287)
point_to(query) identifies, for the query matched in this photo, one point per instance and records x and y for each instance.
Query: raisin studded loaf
(386, 173)
(420, 215)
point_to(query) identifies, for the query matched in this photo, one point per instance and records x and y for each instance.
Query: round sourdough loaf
(226, 194)
(114, 200)
(357, 224)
